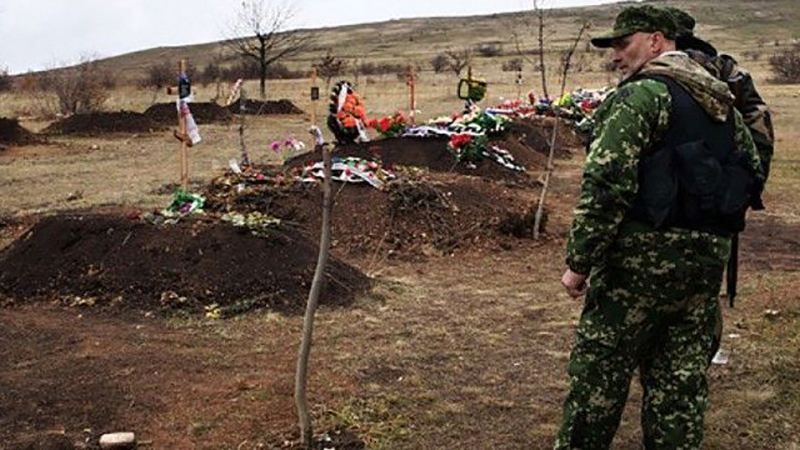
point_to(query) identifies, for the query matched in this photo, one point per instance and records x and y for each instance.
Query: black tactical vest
(694, 178)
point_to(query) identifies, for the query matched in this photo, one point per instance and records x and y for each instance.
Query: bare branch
(260, 34)
(459, 59)
(549, 170)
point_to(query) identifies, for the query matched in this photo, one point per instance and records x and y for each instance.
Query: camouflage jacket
(629, 124)
(747, 101)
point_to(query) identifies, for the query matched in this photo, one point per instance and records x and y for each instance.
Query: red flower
(385, 123)
(460, 140)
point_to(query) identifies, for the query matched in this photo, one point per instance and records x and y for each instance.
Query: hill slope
(735, 25)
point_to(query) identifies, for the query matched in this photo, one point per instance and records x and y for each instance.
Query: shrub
(80, 88)
(5, 81)
(785, 65)
(329, 66)
(159, 76)
(440, 63)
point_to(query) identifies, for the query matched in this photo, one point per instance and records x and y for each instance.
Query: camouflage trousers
(654, 306)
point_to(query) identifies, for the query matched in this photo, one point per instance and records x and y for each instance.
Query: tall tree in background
(259, 34)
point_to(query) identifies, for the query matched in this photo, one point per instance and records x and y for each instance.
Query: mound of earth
(536, 133)
(130, 264)
(104, 122)
(257, 107)
(12, 133)
(203, 112)
(428, 215)
(429, 153)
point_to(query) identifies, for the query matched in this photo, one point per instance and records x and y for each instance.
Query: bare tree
(539, 25)
(329, 66)
(301, 375)
(566, 61)
(259, 34)
(81, 88)
(459, 59)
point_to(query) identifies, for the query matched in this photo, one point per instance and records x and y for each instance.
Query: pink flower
(275, 146)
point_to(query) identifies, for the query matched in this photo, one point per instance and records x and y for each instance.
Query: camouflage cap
(686, 39)
(683, 20)
(634, 19)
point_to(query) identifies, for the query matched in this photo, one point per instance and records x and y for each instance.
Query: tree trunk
(262, 83)
(301, 377)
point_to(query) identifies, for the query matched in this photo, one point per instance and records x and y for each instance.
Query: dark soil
(104, 122)
(527, 140)
(203, 112)
(536, 133)
(128, 264)
(257, 107)
(431, 215)
(429, 153)
(12, 133)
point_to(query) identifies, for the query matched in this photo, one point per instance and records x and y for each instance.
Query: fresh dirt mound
(131, 264)
(536, 133)
(434, 214)
(203, 112)
(257, 107)
(430, 153)
(104, 122)
(11, 133)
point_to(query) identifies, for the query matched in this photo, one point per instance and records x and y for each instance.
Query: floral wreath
(347, 114)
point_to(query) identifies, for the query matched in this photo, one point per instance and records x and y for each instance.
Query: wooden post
(184, 155)
(412, 92)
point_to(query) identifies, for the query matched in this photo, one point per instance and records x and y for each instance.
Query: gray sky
(38, 34)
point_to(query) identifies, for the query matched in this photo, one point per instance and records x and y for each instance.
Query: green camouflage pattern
(628, 123)
(683, 20)
(713, 94)
(652, 305)
(652, 301)
(634, 19)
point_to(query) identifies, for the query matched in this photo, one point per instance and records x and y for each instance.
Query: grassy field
(466, 351)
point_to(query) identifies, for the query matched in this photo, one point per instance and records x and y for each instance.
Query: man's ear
(657, 42)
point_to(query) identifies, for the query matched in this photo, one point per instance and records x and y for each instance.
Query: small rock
(118, 441)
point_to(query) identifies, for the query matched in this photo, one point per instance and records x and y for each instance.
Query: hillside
(736, 25)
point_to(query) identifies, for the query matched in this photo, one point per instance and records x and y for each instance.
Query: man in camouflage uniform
(652, 288)
(747, 101)
(724, 67)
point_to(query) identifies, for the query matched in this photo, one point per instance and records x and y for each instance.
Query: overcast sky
(38, 34)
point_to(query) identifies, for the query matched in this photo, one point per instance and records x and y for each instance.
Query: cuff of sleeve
(580, 268)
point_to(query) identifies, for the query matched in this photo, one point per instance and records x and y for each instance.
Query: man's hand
(575, 283)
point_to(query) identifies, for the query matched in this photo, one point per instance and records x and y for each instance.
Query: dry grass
(454, 353)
